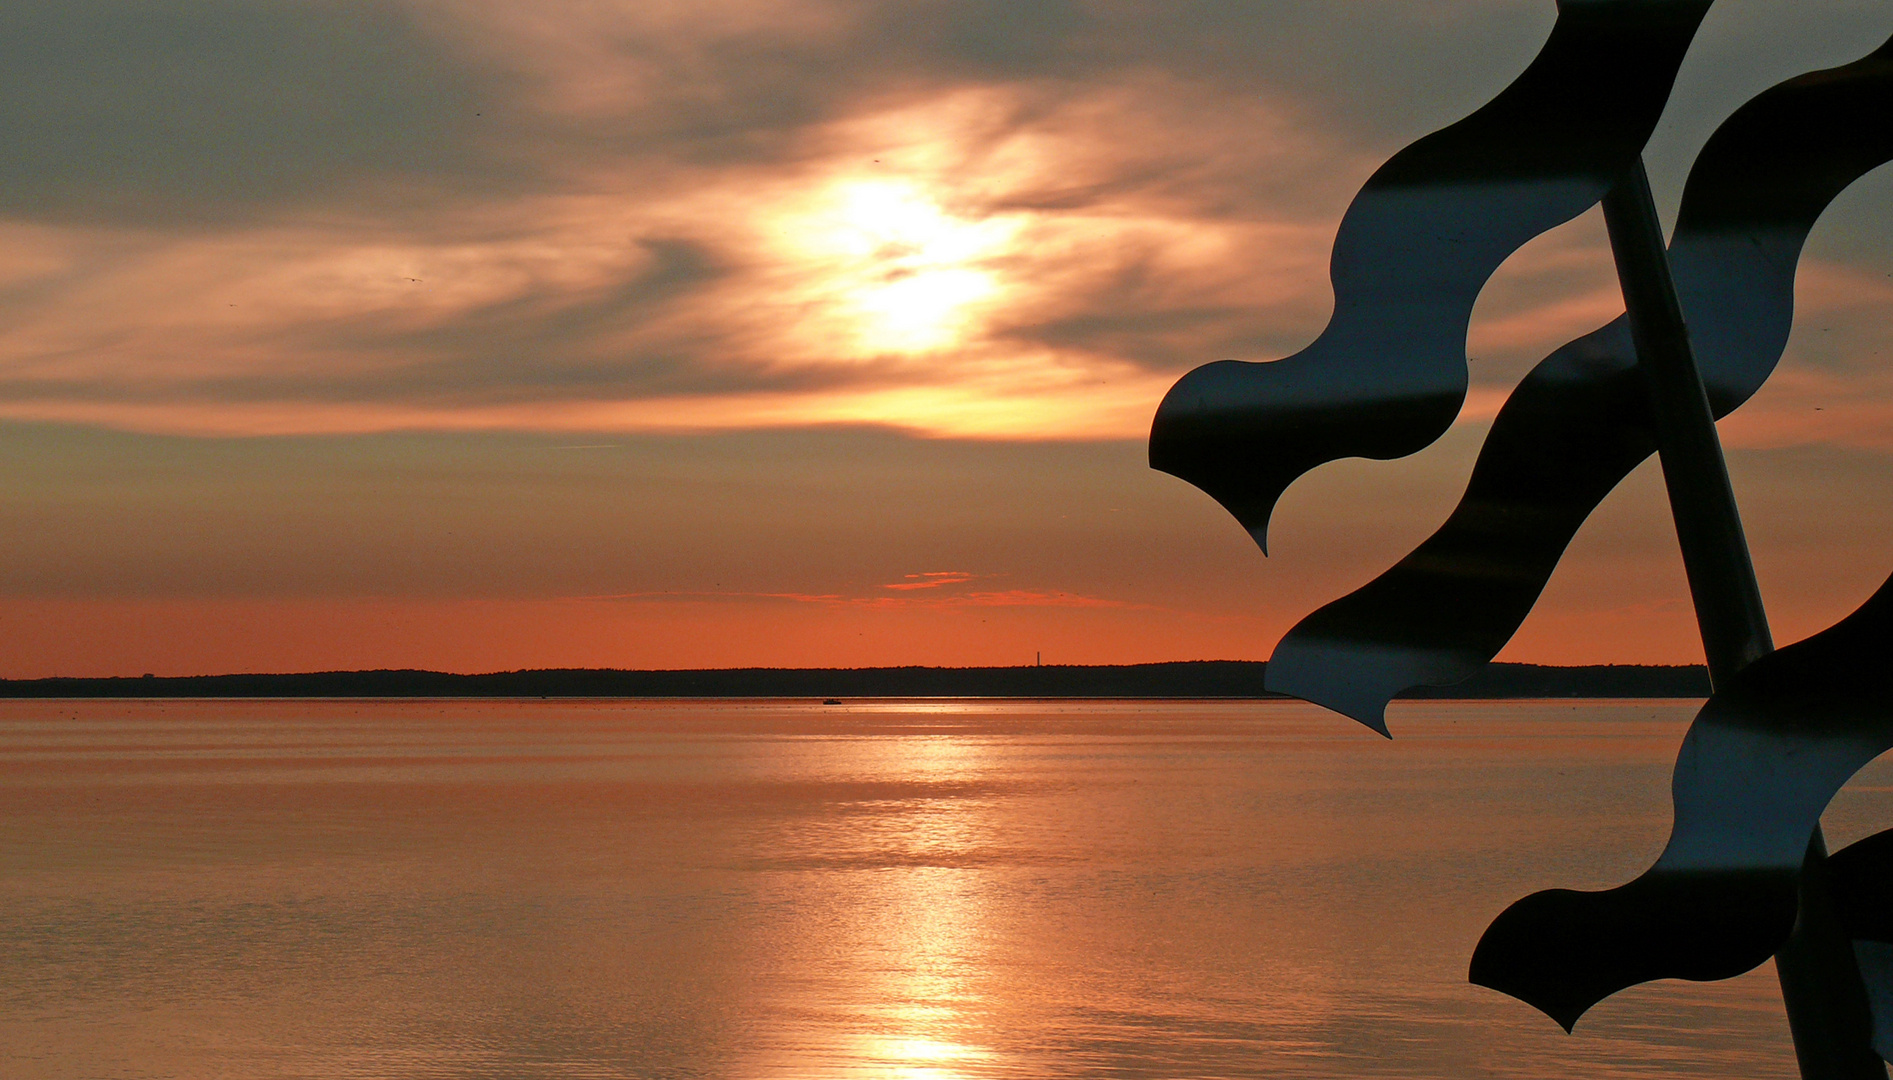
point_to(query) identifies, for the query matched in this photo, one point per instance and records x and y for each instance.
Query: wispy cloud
(940, 267)
(931, 579)
(1007, 598)
(976, 220)
(986, 221)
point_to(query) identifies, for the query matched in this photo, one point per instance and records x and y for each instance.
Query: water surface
(936, 889)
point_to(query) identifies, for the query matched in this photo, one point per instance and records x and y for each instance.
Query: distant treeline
(1187, 679)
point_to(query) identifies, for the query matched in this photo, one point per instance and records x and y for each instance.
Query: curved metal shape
(1388, 374)
(1760, 763)
(1860, 877)
(1579, 422)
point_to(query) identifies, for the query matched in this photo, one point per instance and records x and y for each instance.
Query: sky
(476, 335)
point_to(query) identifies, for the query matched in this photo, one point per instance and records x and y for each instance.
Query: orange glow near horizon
(196, 637)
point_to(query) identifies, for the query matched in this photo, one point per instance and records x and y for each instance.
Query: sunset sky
(478, 334)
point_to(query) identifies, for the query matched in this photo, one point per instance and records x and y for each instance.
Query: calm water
(777, 889)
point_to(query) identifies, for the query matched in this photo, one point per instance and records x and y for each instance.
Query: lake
(879, 889)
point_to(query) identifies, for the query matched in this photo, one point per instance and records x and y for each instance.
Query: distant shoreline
(1205, 679)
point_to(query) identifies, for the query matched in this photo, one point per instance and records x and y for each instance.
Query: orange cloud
(1003, 598)
(932, 579)
(748, 220)
(934, 266)
(986, 598)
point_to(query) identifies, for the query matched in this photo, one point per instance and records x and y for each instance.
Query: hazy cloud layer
(211, 110)
(984, 219)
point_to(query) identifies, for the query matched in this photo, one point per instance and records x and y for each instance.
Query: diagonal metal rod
(1826, 1000)
(1715, 552)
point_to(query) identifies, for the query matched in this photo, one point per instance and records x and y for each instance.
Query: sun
(910, 277)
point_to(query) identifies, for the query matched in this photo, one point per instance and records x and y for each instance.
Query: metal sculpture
(1579, 422)
(1388, 375)
(1746, 874)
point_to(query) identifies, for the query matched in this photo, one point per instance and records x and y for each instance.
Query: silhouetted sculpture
(1745, 875)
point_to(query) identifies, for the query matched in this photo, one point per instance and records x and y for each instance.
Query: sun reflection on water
(908, 873)
(936, 926)
(926, 1059)
(934, 954)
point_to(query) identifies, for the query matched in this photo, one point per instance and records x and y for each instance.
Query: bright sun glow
(911, 274)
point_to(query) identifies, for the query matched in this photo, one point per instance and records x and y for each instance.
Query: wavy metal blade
(1759, 764)
(1388, 375)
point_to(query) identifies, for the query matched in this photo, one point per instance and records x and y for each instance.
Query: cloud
(119, 110)
(1001, 598)
(932, 579)
(722, 80)
(943, 283)
(953, 219)
(988, 598)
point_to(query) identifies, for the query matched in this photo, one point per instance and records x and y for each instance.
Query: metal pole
(1821, 986)
(1715, 552)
